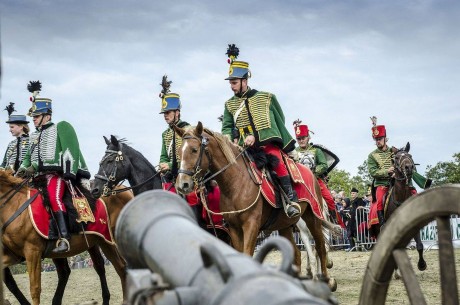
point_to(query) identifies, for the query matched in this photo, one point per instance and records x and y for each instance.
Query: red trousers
(274, 150)
(56, 187)
(381, 191)
(326, 195)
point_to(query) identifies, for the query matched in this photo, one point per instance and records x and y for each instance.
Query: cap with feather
(169, 101)
(14, 118)
(301, 130)
(378, 131)
(40, 105)
(238, 69)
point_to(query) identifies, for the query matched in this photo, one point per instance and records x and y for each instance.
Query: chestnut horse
(241, 203)
(20, 239)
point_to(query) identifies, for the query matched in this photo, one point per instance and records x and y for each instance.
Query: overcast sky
(333, 64)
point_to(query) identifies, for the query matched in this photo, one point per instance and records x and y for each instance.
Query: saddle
(301, 177)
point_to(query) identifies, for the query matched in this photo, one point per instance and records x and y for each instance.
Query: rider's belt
(245, 131)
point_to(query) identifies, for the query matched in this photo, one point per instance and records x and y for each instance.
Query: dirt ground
(348, 270)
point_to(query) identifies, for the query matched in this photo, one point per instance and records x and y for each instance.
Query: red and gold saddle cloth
(41, 218)
(303, 179)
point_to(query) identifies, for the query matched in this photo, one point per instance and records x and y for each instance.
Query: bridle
(204, 141)
(108, 188)
(200, 181)
(400, 158)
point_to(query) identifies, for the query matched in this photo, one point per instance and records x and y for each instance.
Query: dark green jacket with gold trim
(257, 113)
(166, 144)
(378, 163)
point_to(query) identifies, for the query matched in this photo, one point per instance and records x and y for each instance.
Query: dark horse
(22, 241)
(400, 190)
(242, 205)
(122, 162)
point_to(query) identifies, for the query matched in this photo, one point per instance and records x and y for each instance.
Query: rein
(203, 144)
(14, 191)
(107, 191)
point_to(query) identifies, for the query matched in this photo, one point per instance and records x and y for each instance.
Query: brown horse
(21, 240)
(400, 190)
(244, 209)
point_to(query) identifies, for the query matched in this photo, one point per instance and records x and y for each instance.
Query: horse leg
(288, 234)
(63, 271)
(118, 262)
(98, 264)
(236, 236)
(250, 232)
(315, 227)
(421, 262)
(12, 286)
(306, 239)
(34, 269)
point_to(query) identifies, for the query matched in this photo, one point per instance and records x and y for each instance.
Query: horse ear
(114, 140)
(106, 141)
(199, 129)
(180, 131)
(407, 148)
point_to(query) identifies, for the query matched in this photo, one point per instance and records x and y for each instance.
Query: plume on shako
(165, 85)
(232, 53)
(10, 109)
(296, 123)
(374, 120)
(34, 87)
(169, 100)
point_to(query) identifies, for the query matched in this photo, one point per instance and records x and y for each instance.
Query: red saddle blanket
(303, 179)
(40, 219)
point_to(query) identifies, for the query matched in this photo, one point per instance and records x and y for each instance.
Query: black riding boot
(381, 218)
(293, 208)
(63, 243)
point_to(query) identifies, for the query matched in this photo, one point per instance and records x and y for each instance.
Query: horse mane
(224, 144)
(7, 178)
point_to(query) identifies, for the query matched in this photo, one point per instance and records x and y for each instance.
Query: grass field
(348, 270)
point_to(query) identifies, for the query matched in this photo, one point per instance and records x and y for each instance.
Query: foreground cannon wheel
(390, 251)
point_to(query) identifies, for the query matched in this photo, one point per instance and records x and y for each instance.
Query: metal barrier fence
(362, 239)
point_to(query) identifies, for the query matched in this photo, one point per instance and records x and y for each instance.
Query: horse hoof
(329, 263)
(332, 284)
(397, 275)
(421, 266)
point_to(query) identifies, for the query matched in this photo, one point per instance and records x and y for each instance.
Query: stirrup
(58, 242)
(293, 210)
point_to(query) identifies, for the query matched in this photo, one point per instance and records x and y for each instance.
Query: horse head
(404, 164)
(121, 162)
(195, 158)
(113, 168)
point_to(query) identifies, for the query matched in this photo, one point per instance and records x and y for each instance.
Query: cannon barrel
(157, 230)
